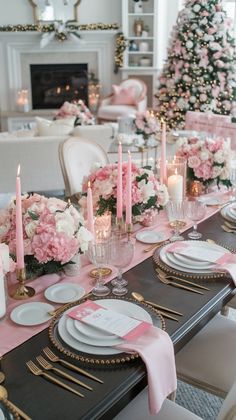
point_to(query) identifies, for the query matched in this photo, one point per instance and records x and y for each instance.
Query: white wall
(89, 11)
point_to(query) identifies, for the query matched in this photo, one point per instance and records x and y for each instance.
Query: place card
(110, 321)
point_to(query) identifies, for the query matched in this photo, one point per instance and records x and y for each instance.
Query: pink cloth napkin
(156, 350)
(223, 260)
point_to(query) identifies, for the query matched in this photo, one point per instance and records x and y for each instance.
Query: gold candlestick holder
(129, 230)
(119, 224)
(22, 291)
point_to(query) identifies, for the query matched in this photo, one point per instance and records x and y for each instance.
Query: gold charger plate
(113, 360)
(190, 276)
(9, 412)
(105, 272)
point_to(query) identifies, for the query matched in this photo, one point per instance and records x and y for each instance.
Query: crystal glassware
(121, 255)
(99, 255)
(176, 215)
(195, 212)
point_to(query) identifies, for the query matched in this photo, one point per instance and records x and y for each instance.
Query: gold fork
(164, 280)
(199, 286)
(48, 366)
(39, 372)
(54, 358)
(156, 245)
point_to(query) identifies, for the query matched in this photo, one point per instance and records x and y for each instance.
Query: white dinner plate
(232, 213)
(72, 330)
(150, 236)
(64, 292)
(32, 313)
(120, 306)
(226, 215)
(167, 258)
(124, 307)
(212, 201)
(190, 262)
(78, 345)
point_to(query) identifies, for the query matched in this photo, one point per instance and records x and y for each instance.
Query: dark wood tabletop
(42, 400)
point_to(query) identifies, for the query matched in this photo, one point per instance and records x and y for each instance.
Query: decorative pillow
(54, 128)
(123, 96)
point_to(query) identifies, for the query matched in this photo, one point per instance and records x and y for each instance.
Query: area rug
(205, 405)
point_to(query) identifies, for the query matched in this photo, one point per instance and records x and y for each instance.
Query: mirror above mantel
(55, 10)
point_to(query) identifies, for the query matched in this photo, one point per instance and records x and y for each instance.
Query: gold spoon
(140, 298)
(4, 395)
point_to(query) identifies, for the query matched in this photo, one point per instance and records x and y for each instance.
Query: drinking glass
(176, 215)
(195, 212)
(99, 255)
(121, 255)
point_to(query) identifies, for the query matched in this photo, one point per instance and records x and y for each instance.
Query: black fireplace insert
(53, 84)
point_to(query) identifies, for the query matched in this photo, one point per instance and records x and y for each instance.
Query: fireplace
(53, 84)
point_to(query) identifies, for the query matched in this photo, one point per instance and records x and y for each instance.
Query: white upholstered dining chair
(77, 157)
(138, 409)
(128, 98)
(208, 360)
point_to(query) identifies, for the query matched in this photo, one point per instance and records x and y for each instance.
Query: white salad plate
(124, 307)
(64, 292)
(150, 236)
(109, 341)
(32, 313)
(120, 306)
(189, 265)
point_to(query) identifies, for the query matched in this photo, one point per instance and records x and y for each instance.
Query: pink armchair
(128, 98)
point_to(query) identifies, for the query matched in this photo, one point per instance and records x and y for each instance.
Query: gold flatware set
(228, 229)
(46, 366)
(163, 310)
(169, 279)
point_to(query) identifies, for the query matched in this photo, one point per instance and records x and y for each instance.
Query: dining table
(41, 399)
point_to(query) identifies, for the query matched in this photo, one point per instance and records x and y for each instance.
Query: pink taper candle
(119, 202)
(163, 153)
(129, 191)
(90, 218)
(19, 226)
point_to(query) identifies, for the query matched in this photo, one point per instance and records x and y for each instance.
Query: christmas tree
(200, 71)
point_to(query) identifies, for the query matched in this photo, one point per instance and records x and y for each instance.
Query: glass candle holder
(176, 178)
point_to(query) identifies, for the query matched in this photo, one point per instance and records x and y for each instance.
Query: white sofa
(39, 160)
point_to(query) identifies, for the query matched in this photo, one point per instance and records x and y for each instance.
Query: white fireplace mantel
(19, 50)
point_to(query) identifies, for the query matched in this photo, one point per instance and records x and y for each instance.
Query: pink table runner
(12, 335)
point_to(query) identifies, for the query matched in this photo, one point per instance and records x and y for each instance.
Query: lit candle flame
(69, 202)
(176, 172)
(89, 184)
(18, 170)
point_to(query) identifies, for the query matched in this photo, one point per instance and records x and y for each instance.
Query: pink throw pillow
(125, 96)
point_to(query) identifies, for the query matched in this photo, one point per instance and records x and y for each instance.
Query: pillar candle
(119, 204)
(163, 152)
(19, 226)
(129, 191)
(90, 218)
(175, 186)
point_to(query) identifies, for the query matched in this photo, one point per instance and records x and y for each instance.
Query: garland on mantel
(62, 30)
(51, 27)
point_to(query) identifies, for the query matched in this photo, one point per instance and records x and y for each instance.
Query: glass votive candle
(176, 178)
(102, 225)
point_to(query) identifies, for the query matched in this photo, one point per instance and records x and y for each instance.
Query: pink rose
(194, 162)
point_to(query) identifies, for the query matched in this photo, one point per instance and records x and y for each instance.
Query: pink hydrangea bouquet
(207, 159)
(53, 233)
(146, 190)
(79, 110)
(146, 124)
